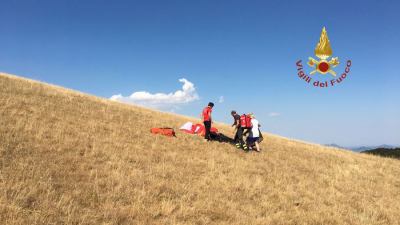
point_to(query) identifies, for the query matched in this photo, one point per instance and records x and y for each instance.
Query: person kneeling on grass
(254, 133)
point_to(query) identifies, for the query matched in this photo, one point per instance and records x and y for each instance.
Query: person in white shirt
(255, 133)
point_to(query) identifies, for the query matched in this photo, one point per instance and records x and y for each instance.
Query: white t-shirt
(254, 129)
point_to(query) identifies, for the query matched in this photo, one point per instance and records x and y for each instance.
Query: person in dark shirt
(236, 124)
(238, 139)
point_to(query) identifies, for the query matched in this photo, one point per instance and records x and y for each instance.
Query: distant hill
(335, 146)
(71, 158)
(385, 152)
(362, 148)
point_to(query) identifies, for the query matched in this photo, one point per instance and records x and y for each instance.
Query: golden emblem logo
(323, 51)
(324, 65)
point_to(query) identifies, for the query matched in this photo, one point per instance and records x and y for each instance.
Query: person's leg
(257, 146)
(249, 143)
(235, 139)
(209, 130)
(242, 140)
(207, 126)
(245, 131)
(239, 137)
(205, 129)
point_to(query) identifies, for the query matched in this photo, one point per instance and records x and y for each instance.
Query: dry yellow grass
(70, 158)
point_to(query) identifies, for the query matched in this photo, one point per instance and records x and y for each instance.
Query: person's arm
(236, 125)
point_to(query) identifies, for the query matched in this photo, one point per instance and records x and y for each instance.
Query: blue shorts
(253, 139)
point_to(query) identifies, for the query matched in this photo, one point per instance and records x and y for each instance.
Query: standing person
(244, 125)
(255, 133)
(207, 120)
(238, 129)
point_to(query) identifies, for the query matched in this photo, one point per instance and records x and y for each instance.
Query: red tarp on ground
(164, 131)
(196, 129)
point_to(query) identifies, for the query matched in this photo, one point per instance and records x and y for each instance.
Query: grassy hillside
(70, 158)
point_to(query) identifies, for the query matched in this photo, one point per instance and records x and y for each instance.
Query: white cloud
(274, 114)
(221, 99)
(163, 101)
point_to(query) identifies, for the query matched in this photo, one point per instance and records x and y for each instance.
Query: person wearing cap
(254, 133)
(207, 120)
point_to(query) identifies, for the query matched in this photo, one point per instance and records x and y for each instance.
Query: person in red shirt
(207, 120)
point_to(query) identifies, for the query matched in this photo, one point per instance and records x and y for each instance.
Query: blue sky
(244, 51)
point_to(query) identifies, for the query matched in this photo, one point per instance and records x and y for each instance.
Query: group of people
(245, 125)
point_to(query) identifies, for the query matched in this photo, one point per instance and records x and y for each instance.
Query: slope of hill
(71, 158)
